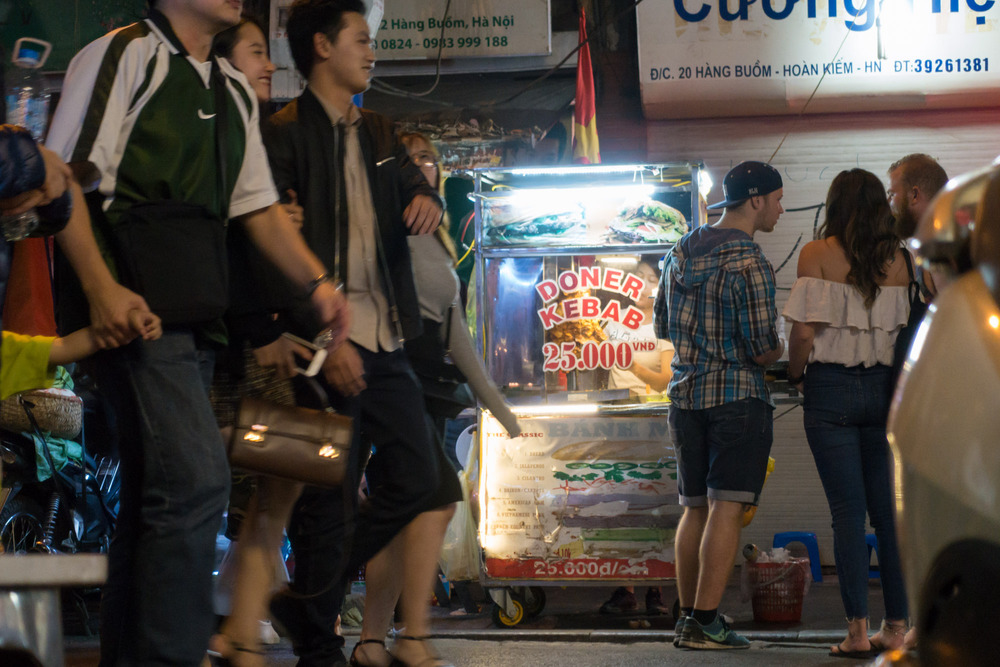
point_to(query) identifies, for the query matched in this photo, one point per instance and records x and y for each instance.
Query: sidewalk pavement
(571, 614)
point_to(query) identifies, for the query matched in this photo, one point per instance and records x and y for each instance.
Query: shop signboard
(703, 58)
(420, 29)
(578, 498)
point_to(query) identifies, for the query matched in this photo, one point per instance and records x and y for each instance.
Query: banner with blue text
(704, 58)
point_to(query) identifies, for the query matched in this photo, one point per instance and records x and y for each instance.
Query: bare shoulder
(811, 259)
(897, 272)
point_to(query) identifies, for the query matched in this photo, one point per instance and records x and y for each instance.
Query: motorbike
(72, 511)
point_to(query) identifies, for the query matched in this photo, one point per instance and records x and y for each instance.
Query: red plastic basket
(778, 589)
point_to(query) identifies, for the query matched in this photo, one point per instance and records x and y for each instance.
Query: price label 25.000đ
(606, 355)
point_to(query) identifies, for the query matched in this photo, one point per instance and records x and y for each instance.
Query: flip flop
(878, 647)
(837, 652)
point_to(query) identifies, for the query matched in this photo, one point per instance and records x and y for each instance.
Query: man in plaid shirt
(716, 305)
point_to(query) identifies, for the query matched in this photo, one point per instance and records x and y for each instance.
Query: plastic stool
(812, 548)
(872, 541)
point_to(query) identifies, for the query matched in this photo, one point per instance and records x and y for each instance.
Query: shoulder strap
(909, 265)
(221, 125)
(917, 279)
(912, 287)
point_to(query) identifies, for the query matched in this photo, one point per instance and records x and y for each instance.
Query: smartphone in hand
(319, 355)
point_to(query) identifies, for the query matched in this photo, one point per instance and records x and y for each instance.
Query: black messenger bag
(174, 255)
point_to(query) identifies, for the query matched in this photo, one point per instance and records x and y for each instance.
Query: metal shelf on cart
(543, 410)
(505, 251)
(677, 174)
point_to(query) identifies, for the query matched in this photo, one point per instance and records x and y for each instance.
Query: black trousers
(331, 534)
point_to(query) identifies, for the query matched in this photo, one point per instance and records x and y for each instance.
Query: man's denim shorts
(722, 451)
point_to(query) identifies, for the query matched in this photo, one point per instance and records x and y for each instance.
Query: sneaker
(654, 603)
(621, 602)
(715, 635)
(679, 629)
(268, 636)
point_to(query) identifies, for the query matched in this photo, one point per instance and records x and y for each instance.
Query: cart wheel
(676, 609)
(534, 601)
(500, 617)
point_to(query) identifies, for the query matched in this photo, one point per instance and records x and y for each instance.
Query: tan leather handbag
(298, 444)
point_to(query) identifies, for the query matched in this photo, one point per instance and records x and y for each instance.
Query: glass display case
(568, 264)
(559, 278)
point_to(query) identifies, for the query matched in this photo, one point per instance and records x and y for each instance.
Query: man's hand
(343, 369)
(280, 355)
(57, 175)
(423, 215)
(110, 316)
(333, 312)
(275, 234)
(295, 212)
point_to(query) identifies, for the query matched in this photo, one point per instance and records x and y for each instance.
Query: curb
(634, 636)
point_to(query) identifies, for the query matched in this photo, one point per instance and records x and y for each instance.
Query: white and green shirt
(144, 113)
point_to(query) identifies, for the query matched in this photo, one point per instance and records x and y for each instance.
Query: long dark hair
(858, 215)
(226, 41)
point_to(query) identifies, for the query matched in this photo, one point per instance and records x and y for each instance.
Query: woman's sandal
(226, 658)
(895, 629)
(354, 662)
(839, 652)
(430, 661)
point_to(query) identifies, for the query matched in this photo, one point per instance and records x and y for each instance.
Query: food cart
(588, 492)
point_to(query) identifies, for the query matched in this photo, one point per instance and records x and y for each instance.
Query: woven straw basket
(57, 411)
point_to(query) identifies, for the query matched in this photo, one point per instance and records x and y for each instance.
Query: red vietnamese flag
(586, 149)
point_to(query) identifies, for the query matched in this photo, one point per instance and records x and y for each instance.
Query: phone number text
(470, 42)
(943, 65)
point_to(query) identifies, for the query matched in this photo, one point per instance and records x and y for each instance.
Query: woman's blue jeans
(845, 419)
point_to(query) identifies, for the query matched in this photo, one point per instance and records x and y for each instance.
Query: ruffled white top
(847, 332)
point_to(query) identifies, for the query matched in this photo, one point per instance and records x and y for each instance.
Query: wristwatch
(796, 380)
(316, 282)
(319, 280)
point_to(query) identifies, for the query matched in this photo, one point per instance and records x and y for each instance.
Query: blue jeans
(845, 418)
(156, 606)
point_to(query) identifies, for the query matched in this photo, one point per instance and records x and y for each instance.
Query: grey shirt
(437, 283)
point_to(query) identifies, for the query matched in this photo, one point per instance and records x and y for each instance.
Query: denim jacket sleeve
(21, 165)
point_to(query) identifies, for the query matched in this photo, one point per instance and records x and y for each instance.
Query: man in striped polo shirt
(716, 305)
(140, 103)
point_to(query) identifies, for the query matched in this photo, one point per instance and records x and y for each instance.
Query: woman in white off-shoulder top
(846, 307)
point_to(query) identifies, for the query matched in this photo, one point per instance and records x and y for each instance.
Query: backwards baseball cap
(748, 179)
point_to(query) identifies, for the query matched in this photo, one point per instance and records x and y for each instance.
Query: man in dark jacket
(361, 197)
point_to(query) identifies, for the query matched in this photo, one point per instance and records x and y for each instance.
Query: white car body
(944, 429)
